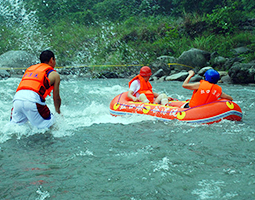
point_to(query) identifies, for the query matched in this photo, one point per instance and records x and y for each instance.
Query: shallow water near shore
(89, 154)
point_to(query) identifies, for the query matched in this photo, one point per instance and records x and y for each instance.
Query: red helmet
(145, 71)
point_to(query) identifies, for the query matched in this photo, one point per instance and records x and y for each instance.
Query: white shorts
(38, 115)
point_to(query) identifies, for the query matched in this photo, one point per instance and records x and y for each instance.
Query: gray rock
(223, 73)
(167, 59)
(181, 76)
(196, 78)
(218, 62)
(203, 70)
(17, 59)
(194, 58)
(161, 79)
(242, 73)
(16, 62)
(108, 74)
(241, 50)
(4, 74)
(159, 73)
(226, 79)
(229, 62)
(155, 66)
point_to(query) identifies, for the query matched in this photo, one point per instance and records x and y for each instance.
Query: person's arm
(55, 81)
(155, 94)
(190, 86)
(225, 96)
(131, 96)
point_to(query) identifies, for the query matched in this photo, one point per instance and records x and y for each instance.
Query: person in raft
(140, 89)
(205, 91)
(36, 84)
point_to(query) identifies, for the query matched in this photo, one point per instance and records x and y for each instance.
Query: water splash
(27, 35)
(42, 194)
(105, 48)
(211, 189)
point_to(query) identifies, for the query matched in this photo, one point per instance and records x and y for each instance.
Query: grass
(135, 41)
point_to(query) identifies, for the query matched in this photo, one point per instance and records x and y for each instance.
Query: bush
(224, 20)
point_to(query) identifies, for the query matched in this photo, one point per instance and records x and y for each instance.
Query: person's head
(145, 72)
(48, 57)
(212, 76)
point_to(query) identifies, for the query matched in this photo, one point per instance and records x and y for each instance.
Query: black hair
(46, 56)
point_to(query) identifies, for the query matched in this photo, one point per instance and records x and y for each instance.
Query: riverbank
(164, 68)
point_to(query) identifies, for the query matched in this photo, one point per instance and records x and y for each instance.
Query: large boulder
(157, 65)
(230, 61)
(241, 50)
(194, 58)
(17, 61)
(242, 73)
(219, 62)
(162, 64)
(4, 74)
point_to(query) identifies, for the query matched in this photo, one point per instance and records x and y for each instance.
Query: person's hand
(191, 73)
(58, 111)
(135, 99)
(170, 98)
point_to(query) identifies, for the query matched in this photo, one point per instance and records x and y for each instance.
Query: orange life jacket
(145, 88)
(206, 93)
(35, 79)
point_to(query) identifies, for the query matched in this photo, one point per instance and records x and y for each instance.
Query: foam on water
(86, 105)
(96, 114)
(211, 189)
(82, 114)
(42, 194)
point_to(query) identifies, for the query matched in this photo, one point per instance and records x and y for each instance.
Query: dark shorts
(44, 111)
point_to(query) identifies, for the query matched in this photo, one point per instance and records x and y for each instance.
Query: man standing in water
(36, 84)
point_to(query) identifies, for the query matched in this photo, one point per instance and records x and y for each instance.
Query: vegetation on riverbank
(133, 32)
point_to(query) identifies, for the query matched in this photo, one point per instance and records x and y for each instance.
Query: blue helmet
(212, 76)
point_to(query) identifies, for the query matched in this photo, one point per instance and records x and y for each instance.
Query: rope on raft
(164, 111)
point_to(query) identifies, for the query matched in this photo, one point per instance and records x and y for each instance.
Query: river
(89, 154)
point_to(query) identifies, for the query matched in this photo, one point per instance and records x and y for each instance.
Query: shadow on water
(42, 140)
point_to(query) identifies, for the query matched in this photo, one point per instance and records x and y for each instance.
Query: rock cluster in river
(165, 68)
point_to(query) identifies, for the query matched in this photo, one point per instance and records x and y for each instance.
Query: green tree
(225, 19)
(249, 5)
(107, 10)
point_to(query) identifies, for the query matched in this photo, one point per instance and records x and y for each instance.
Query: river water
(90, 154)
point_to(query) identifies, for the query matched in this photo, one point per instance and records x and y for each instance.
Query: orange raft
(206, 114)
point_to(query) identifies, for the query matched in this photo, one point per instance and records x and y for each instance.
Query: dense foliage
(121, 32)
(89, 11)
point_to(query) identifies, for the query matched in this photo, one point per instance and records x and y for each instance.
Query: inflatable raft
(206, 114)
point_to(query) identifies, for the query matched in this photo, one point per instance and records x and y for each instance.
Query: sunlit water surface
(90, 154)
